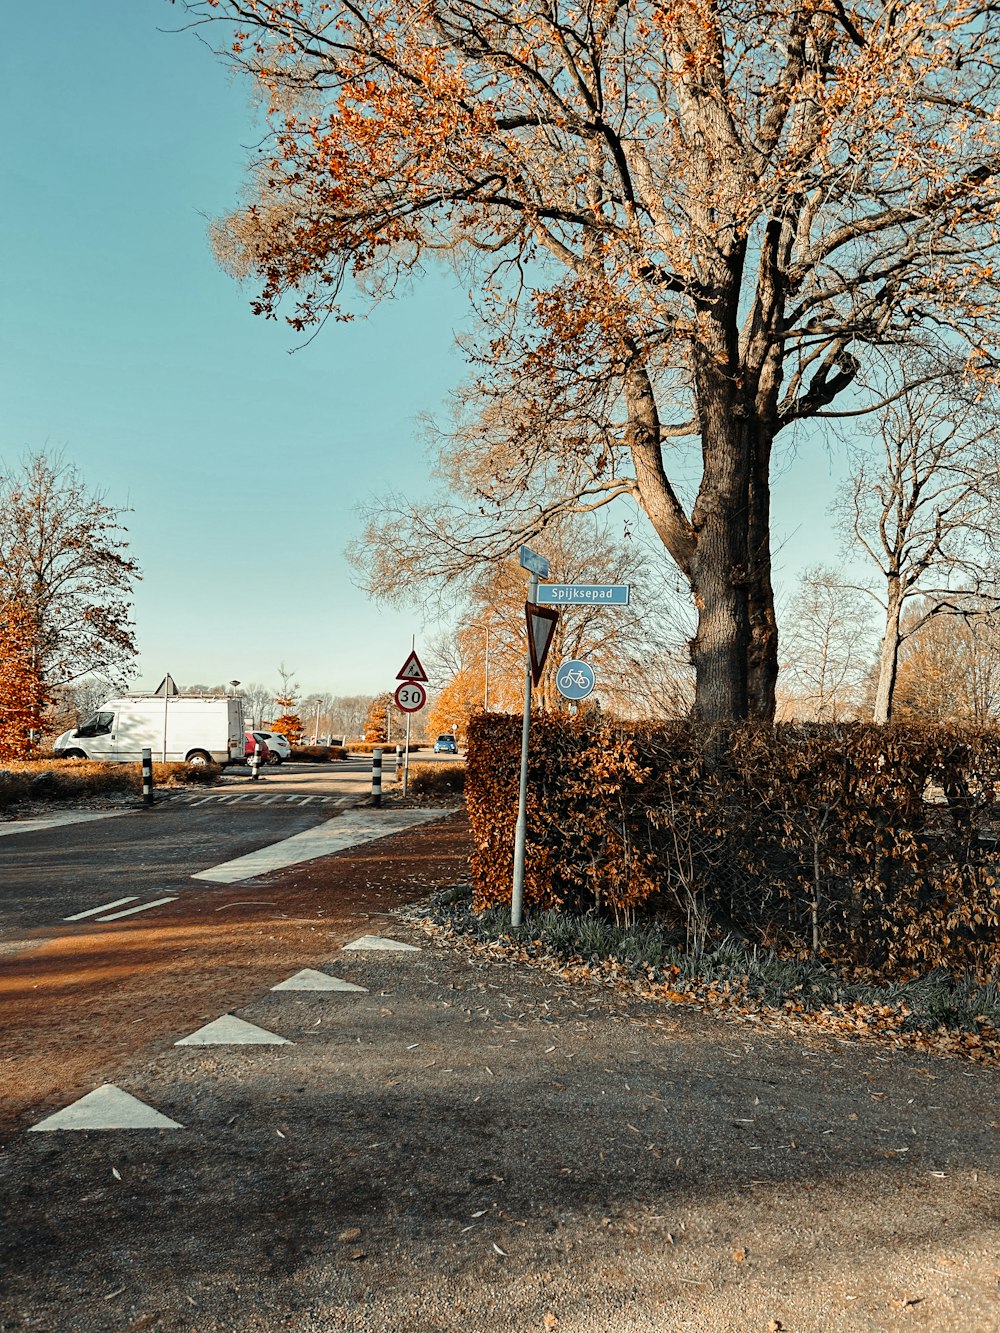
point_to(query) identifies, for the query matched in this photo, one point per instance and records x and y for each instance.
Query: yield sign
(411, 669)
(541, 627)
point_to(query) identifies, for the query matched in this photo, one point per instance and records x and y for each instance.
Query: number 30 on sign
(411, 696)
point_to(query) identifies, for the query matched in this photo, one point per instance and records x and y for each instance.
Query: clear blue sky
(124, 345)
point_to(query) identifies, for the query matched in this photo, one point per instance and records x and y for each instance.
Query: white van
(178, 728)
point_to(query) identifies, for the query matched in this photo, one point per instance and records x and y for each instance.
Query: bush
(436, 779)
(807, 839)
(315, 754)
(366, 747)
(84, 779)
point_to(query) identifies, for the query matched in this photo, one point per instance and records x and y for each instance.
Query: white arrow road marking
(93, 911)
(232, 1031)
(310, 979)
(106, 1107)
(378, 943)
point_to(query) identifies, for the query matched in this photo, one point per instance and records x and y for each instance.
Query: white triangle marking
(378, 942)
(310, 979)
(106, 1107)
(231, 1031)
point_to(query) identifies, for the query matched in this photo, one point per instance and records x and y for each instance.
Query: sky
(242, 455)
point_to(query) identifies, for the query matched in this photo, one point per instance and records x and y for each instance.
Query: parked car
(255, 738)
(446, 745)
(278, 745)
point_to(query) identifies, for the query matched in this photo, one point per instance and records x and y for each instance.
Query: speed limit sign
(411, 696)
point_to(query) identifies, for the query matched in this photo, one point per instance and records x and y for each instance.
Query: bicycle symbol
(579, 678)
(575, 680)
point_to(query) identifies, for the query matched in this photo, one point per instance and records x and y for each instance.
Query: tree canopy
(64, 561)
(690, 225)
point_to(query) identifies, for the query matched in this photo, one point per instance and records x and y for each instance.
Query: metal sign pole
(406, 757)
(521, 828)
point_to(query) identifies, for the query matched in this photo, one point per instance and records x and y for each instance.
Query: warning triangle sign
(541, 627)
(411, 669)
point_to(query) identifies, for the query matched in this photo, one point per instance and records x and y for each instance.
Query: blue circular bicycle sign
(575, 680)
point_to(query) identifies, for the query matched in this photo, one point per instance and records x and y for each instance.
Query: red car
(254, 738)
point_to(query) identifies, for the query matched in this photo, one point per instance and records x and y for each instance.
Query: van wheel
(73, 754)
(198, 758)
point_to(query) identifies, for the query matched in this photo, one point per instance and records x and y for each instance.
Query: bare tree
(348, 715)
(258, 700)
(64, 559)
(949, 670)
(483, 663)
(691, 227)
(827, 638)
(925, 512)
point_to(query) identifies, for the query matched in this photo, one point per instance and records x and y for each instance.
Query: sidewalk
(469, 1146)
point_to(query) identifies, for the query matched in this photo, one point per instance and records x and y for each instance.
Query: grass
(740, 972)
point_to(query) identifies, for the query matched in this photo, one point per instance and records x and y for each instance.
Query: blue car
(446, 745)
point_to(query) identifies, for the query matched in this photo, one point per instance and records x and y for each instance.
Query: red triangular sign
(411, 669)
(541, 627)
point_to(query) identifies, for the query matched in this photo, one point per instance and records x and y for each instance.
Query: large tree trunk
(724, 550)
(888, 662)
(762, 667)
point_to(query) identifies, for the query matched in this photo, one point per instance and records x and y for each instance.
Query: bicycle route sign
(575, 680)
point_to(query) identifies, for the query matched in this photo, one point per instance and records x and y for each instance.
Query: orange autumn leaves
(22, 693)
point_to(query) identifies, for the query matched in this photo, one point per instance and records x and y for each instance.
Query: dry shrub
(316, 754)
(387, 747)
(810, 839)
(84, 779)
(436, 779)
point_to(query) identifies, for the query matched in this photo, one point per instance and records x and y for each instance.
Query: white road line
(56, 821)
(203, 800)
(334, 835)
(143, 907)
(307, 799)
(92, 911)
(289, 799)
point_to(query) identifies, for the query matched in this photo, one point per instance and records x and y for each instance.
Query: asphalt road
(51, 873)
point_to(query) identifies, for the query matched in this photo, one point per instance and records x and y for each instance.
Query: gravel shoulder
(473, 1144)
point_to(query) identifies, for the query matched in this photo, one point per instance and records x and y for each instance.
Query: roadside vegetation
(25, 781)
(436, 779)
(939, 1012)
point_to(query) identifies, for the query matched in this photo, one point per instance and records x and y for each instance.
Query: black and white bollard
(255, 762)
(399, 763)
(147, 777)
(377, 776)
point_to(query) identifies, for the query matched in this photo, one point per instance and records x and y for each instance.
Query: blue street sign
(575, 680)
(536, 563)
(583, 594)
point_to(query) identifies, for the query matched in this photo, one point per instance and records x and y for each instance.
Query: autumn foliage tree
(693, 225)
(64, 560)
(22, 692)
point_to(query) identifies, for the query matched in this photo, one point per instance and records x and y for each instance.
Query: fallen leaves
(887, 1023)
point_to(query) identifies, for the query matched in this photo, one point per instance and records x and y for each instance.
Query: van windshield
(98, 725)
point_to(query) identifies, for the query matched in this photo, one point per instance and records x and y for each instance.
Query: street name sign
(411, 696)
(534, 562)
(583, 594)
(411, 669)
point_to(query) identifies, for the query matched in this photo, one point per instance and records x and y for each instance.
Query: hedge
(316, 754)
(388, 747)
(871, 846)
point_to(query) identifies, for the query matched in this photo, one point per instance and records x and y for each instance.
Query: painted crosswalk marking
(143, 907)
(104, 907)
(261, 798)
